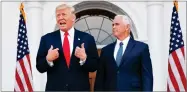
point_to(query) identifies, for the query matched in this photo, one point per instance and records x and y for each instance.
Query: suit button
(118, 72)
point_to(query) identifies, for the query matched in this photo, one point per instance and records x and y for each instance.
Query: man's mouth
(62, 23)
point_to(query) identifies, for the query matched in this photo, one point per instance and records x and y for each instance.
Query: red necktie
(66, 49)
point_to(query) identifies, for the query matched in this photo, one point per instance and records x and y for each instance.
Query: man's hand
(52, 54)
(80, 52)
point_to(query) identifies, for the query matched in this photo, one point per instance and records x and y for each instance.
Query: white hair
(126, 20)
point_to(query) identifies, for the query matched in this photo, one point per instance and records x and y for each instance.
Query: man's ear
(127, 27)
(74, 17)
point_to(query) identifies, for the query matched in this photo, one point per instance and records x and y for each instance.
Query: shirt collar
(70, 32)
(125, 41)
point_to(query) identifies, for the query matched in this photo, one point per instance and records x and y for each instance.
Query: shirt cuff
(50, 63)
(82, 62)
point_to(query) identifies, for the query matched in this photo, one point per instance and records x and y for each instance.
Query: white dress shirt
(71, 33)
(125, 42)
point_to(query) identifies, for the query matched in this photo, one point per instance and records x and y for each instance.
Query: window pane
(95, 33)
(107, 25)
(108, 40)
(102, 36)
(81, 25)
(94, 21)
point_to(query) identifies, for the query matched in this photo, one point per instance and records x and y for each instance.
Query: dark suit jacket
(133, 74)
(60, 77)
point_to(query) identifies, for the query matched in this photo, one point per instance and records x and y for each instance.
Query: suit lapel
(127, 52)
(58, 41)
(112, 53)
(76, 42)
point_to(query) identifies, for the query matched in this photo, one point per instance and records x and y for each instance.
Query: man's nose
(61, 17)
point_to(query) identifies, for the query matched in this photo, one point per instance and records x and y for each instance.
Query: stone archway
(103, 5)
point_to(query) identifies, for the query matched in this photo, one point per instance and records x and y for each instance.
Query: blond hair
(65, 6)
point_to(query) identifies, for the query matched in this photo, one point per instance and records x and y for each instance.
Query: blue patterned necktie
(119, 54)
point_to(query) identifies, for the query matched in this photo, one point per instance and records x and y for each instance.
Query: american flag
(176, 61)
(23, 75)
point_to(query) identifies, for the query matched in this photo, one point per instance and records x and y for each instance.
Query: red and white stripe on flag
(176, 61)
(23, 72)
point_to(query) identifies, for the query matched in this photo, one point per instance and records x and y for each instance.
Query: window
(98, 23)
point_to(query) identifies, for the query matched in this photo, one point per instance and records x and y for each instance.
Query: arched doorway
(95, 18)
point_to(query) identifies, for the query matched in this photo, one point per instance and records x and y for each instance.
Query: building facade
(150, 24)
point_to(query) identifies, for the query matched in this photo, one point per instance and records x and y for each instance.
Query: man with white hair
(124, 65)
(67, 54)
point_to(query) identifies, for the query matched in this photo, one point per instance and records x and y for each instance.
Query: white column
(155, 28)
(34, 27)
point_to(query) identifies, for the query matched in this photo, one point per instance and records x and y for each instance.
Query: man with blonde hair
(67, 54)
(124, 65)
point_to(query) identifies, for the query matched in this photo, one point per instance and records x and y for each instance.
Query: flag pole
(22, 10)
(176, 4)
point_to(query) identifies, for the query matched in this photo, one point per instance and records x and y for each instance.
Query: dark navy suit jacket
(133, 74)
(60, 77)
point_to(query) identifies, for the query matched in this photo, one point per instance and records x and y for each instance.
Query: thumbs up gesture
(52, 54)
(80, 52)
